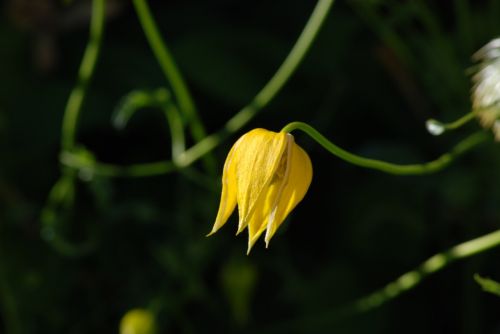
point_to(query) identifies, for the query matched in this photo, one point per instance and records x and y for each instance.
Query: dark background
(376, 72)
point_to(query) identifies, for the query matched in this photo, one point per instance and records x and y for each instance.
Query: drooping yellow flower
(266, 174)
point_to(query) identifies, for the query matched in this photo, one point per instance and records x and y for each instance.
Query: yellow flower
(267, 175)
(138, 321)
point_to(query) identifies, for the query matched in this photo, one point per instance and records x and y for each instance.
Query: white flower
(486, 90)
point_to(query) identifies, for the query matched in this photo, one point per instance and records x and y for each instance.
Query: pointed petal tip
(269, 236)
(215, 228)
(250, 246)
(267, 239)
(241, 227)
(251, 243)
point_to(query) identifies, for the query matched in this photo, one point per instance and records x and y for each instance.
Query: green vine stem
(394, 289)
(432, 265)
(167, 63)
(75, 100)
(270, 90)
(460, 122)
(436, 127)
(91, 167)
(158, 98)
(266, 94)
(64, 187)
(414, 169)
(172, 74)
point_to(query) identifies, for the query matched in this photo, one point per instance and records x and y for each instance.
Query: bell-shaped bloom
(266, 174)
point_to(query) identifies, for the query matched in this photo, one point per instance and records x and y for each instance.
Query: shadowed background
(376, 72)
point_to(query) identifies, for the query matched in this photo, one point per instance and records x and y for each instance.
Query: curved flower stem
(435, 263)
(172, 74)
(266, 94)
(61, 194)
(290, 64)
(392, 290)
(91, 168)
(460, 122)
(436, 127)
(174, 121)
(387, 167)
(75, 100)
(168, 66)
(75, 161)
(158, 98)
(270, 90)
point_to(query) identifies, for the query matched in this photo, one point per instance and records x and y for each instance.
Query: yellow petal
(257, 222)
(256, 158)
(228, 197)
(298, 180)
(266, 174)
(269, 198)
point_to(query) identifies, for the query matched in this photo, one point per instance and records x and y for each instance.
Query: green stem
(266, 94)
(436, 127)
(460, 122)
(413, 169)
(68, 131)
(110, 170)
(171, 72)
(59, 203)
(392, 290)
(159, 98)
(430, 266)
(87, 66)
(176, 130)
(270, 90)
(287, 68)
(167, 64)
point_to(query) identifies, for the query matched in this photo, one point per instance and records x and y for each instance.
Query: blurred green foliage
(377, 71)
